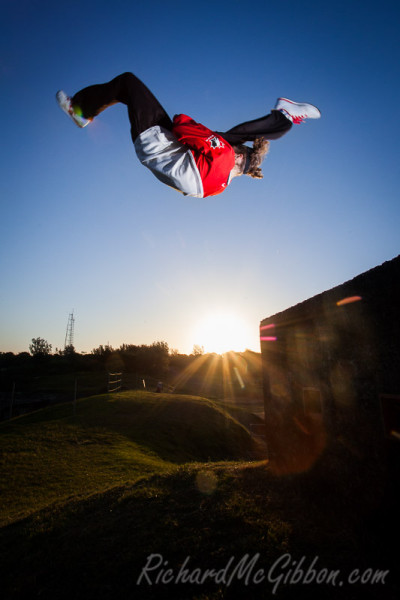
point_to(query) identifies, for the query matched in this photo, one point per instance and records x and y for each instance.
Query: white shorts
(169, 160)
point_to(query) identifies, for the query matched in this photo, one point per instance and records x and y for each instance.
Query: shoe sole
(306, 104)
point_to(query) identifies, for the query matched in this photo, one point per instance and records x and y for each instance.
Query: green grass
(87, 498)
(53, 455)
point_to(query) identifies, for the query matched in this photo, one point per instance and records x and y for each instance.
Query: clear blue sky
(84, 226)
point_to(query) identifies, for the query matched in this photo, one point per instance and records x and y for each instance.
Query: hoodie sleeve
(196, 136)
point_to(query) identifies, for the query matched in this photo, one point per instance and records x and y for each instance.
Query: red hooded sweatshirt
(191, 158)
(213, 156)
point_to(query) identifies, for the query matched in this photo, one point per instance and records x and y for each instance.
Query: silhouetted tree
(198, 350)
(39, 347)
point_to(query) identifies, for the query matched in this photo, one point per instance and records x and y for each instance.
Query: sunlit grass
(54, 461)
(52, 455)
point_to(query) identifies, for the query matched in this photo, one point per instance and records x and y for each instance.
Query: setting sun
(223, 331)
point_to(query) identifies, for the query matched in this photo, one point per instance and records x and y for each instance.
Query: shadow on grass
(342, 512)
(98, 548)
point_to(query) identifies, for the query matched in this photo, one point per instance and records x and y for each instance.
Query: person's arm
(196, 136)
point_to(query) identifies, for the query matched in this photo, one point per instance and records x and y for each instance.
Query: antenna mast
(69, 335)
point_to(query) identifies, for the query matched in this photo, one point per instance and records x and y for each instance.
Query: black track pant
(145, 111)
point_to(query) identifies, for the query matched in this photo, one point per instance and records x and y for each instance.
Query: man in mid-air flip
(182, 153)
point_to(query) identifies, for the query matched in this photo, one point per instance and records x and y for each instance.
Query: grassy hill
(52, 455)
(87, 498)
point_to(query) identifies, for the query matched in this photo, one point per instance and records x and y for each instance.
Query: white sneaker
(64, 102)
(295, 111)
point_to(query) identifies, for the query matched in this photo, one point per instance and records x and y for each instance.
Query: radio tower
(69, 335)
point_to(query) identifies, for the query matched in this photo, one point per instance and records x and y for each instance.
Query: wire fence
(22, 397)
(114, 382)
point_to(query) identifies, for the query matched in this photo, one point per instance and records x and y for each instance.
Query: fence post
(12, 399)
(75, 394)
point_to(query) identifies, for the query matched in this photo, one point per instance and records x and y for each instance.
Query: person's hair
(256, 155)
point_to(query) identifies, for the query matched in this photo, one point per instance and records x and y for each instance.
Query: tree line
(150, 359)
(155, 359)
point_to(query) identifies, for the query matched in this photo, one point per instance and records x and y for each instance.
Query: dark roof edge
(356, 285)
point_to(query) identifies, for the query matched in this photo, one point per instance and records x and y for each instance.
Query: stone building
(331, 370)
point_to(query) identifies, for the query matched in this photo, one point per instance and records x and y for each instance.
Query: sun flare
(221, 332)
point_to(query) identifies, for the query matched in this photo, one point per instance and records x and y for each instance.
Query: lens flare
(348, 300)
(206, 482)
(239, 377)
(267, 338)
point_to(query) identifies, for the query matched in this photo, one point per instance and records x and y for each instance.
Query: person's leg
(144, 109)
(270, 127)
